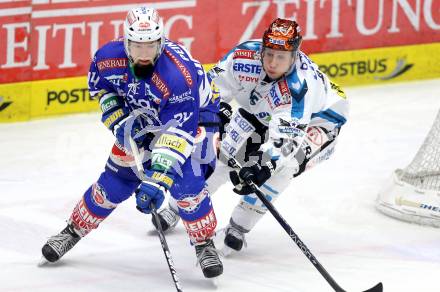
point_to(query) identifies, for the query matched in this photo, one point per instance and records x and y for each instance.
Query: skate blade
(42, 262)
(214, 281)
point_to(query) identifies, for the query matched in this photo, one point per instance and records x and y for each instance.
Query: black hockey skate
(168, 219)
(234, 238)
(208, 258)
(59, 244)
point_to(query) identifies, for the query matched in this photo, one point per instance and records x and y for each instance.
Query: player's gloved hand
(251, 171)
(225, 114)
(113, 113)
(148, 194)
(125, 128)
(153, 192)
(118, 119)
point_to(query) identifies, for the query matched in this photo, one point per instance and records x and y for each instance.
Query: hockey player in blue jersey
(151, 90)
(288, 119)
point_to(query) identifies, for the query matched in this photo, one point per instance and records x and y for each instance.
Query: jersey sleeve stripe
(181, 133)
(330, 116)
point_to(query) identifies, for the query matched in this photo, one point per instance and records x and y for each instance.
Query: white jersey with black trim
(304, 97)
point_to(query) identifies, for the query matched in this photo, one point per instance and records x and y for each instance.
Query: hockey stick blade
(42, 262)
(301, 245)
(377, 288)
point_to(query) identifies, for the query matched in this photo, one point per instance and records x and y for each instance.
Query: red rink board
(55, 40)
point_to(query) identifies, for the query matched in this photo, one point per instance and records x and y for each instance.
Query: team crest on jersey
(292, 128)
(135, 97)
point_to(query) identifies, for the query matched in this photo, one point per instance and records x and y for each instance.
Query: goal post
(413, 193)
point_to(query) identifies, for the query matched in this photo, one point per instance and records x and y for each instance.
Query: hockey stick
(160, 233)
(233, 163)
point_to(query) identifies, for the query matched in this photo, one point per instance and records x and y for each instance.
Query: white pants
(250, 209)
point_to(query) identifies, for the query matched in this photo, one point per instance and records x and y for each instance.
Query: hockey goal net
(413, 193)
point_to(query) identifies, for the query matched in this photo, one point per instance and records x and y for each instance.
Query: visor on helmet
(143, 51)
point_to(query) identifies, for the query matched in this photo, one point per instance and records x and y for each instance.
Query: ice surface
(46, 166)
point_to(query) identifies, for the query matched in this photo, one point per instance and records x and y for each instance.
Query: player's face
(276, 62)
(143, 53)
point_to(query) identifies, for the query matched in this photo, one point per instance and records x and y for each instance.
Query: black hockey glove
(225, 115)
(251, 171)
(225, 112)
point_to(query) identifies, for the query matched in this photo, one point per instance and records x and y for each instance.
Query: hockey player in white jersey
(288, 120)
(295, 108)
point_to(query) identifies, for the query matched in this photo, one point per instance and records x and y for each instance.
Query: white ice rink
(46, 165)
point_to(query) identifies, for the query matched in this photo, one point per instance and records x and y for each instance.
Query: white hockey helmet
(143, 24)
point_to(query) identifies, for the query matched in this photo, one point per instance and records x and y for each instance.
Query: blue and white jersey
(176, 89)
(302, 98)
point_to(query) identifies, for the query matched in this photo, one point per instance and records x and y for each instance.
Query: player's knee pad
(197, 215)
(246, 215)
(99, 201)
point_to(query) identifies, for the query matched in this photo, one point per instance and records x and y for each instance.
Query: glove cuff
(118, 123)
(225, 112)
(160, 178)
(156, 185)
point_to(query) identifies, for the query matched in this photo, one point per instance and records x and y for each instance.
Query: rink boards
(44, 98)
